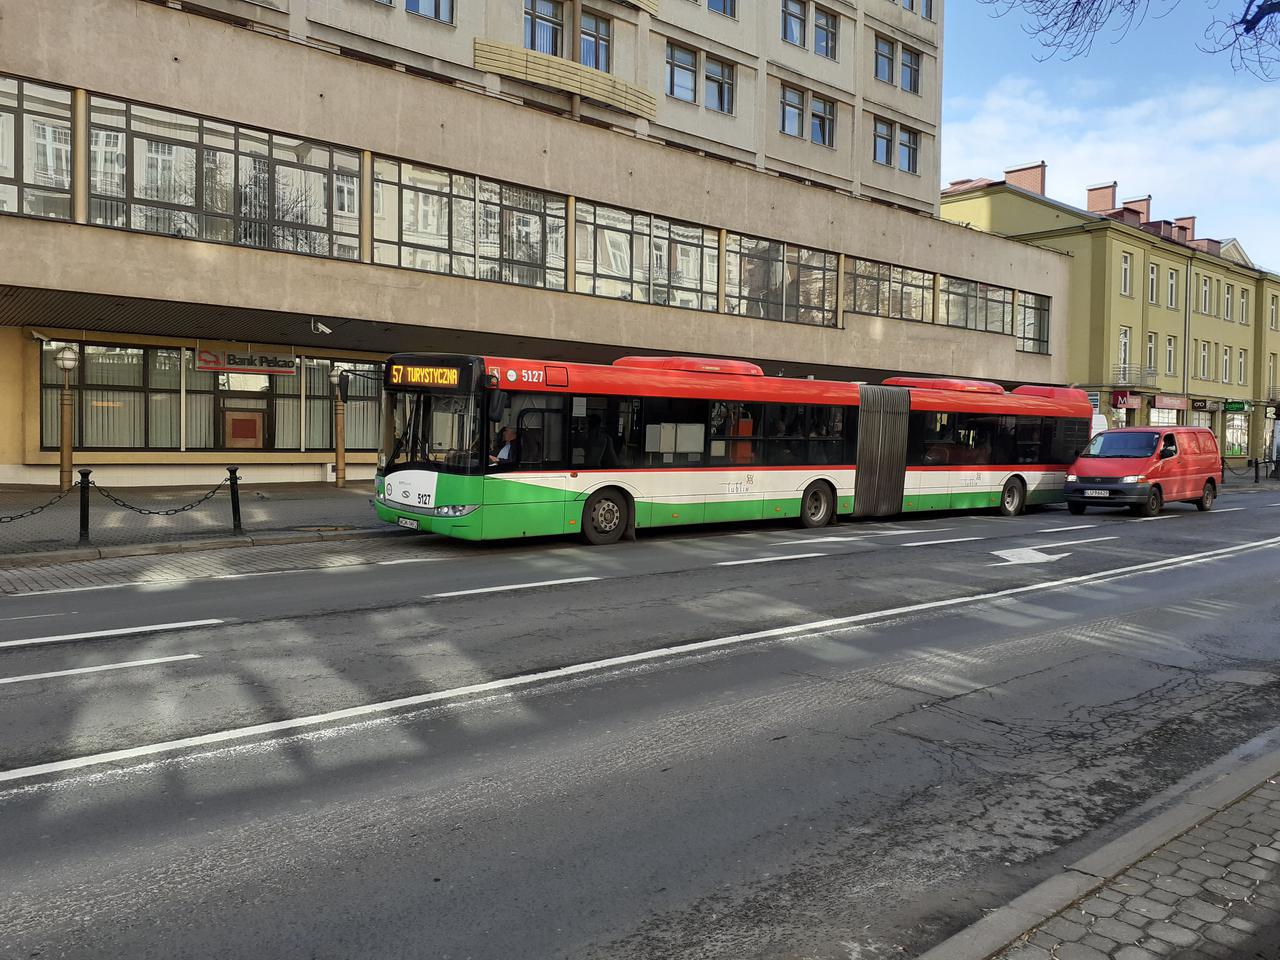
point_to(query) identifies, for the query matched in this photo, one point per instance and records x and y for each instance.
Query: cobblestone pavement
(263, 508)
(1214, 892)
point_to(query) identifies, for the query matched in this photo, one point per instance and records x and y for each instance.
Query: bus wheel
(817, 505)
(1207, 497)
(1075, 508)
(1013, 499)
(604, 518)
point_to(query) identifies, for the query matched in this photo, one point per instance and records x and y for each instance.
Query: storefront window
(1163, 418)
(35, 149)
(777, 281)
(1236, 435)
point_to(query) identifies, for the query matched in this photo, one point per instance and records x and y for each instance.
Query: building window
(1204, 295)
(1126, 273)
(1171, 356)
(776, 281)
(1226, 364)
(909, 5)
(910, 71)
(1162, 418)
(794, 16)
(1123, 356)
(627, 255)
(1236, 435)
(1244, 307)
(792, 111)
(883, 138)
(1151, 352)
(1271, 371)
(1153, 283)
(908, 150)
(1244, 368)
(884, 59)
(435, 9)
(430, 219)
(1275, 313)
(975, 306)
(1204, 359)
(727, 7)
(719, 85)
(1033, 322)
(1173, 288)
(682, 73)
(543, 26)
(596, 42)
(1226, 302)
(822, 121)
(35, 149)
(826, 32)
(882, 290)
(158, 171)
(926, 9)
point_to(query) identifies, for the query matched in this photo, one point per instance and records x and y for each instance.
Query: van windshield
(1127, 445)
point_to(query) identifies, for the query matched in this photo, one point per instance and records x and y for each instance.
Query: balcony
(1132, 375)
(557, 73)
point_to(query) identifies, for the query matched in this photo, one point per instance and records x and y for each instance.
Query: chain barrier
(143, 511)
(1238, 473)
(34, 510)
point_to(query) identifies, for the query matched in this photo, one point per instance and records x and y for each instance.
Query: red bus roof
(713, 379)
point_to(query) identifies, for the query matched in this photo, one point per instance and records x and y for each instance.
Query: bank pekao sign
(233, 361)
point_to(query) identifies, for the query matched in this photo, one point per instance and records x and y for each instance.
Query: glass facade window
(627, 255)
(776, 281)
(435, 9)
(596, 45)
(682, 73)
(1033, 323)
(908, 150)
(883, 290)
(826, 32)
(792, 122)
(35, 149)
(822, 121)
(883, 139)
(157, 171)
(795, 15)
(884, 59)
(910, 70)
(543, 26)
(719, 85)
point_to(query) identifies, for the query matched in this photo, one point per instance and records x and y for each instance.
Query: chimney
(1101, 197)
(1142, 205)
(1029, 177)
(1188, 224)
(1180, 233)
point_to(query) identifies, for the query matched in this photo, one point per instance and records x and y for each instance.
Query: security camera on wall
(318, 327)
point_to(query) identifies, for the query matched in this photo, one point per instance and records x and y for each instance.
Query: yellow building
(1163, 327)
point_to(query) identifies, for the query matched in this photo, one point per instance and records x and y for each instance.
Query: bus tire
(1075, 509)
(1207, 496)
(606, 516)
(817, 505)
(1013, 498)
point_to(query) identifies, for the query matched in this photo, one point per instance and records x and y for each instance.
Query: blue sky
(1149, 110)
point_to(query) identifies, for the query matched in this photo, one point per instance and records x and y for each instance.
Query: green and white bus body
(663, 441)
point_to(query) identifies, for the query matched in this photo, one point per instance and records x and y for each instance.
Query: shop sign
(1163, 402)
(1209, 406)
(1124, 400)
(1236, 406)
(235, 361)
(1271, 412)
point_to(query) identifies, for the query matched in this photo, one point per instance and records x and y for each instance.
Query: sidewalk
(265, 509)
(1200, 882)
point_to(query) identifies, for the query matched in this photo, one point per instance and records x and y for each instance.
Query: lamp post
(67, 359)
(338, 377)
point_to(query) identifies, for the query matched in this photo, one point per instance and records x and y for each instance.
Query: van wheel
(1154, 504)
(1013, 499)
(1075, 509)
(604, 518)
(817, 506)
(1207, 497)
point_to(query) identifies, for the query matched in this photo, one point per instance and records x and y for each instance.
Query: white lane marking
(37, 616)
(811, 630)
(99, 669)
(392, 563)
(512, 586)
(794, 556)
(1023, 555)
(991, 519)
(930, 543)
(1082, 526)
(103, 634)
(1273, 504)
(1161, 516)
(1229, 510)
(864, 536)
(1070, 543)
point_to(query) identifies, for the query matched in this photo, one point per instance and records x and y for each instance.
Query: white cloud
(1202, 150)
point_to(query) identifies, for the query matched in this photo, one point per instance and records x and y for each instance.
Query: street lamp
(338, 377)
(67, 359)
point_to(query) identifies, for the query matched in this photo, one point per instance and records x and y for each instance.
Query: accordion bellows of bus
(494, 447)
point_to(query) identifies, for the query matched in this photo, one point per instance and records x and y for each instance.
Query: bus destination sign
(419, 375)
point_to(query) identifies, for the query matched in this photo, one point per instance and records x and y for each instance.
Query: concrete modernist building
(1164, 327)
(214, 202)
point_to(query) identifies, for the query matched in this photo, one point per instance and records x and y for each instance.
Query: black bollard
(1257, 469)
(84, 504)
(235, 499)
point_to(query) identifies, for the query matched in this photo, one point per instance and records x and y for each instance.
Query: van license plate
(1087, 493)
(406, 522)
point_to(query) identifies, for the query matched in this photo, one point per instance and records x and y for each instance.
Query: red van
(1143, 468)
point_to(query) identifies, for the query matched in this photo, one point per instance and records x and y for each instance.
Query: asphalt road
(756, 741)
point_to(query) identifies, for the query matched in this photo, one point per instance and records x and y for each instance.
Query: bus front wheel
(817, 506)
(1013, 498)
(605, 517)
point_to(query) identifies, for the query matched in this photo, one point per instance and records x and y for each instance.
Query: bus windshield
(436, 432)
(1123, 445)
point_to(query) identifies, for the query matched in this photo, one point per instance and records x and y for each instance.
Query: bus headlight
(454, 511)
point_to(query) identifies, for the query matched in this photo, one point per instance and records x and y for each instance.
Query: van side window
(1171, 443)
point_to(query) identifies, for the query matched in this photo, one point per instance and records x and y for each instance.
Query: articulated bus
(489, 447)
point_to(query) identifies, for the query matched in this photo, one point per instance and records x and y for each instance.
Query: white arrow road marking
(1024, 555)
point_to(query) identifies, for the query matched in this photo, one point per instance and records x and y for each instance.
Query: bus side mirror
(497, 403)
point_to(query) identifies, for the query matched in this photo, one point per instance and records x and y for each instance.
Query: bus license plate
(406, 522)
(1087, 493)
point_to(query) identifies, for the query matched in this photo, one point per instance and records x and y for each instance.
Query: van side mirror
(497, 403)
